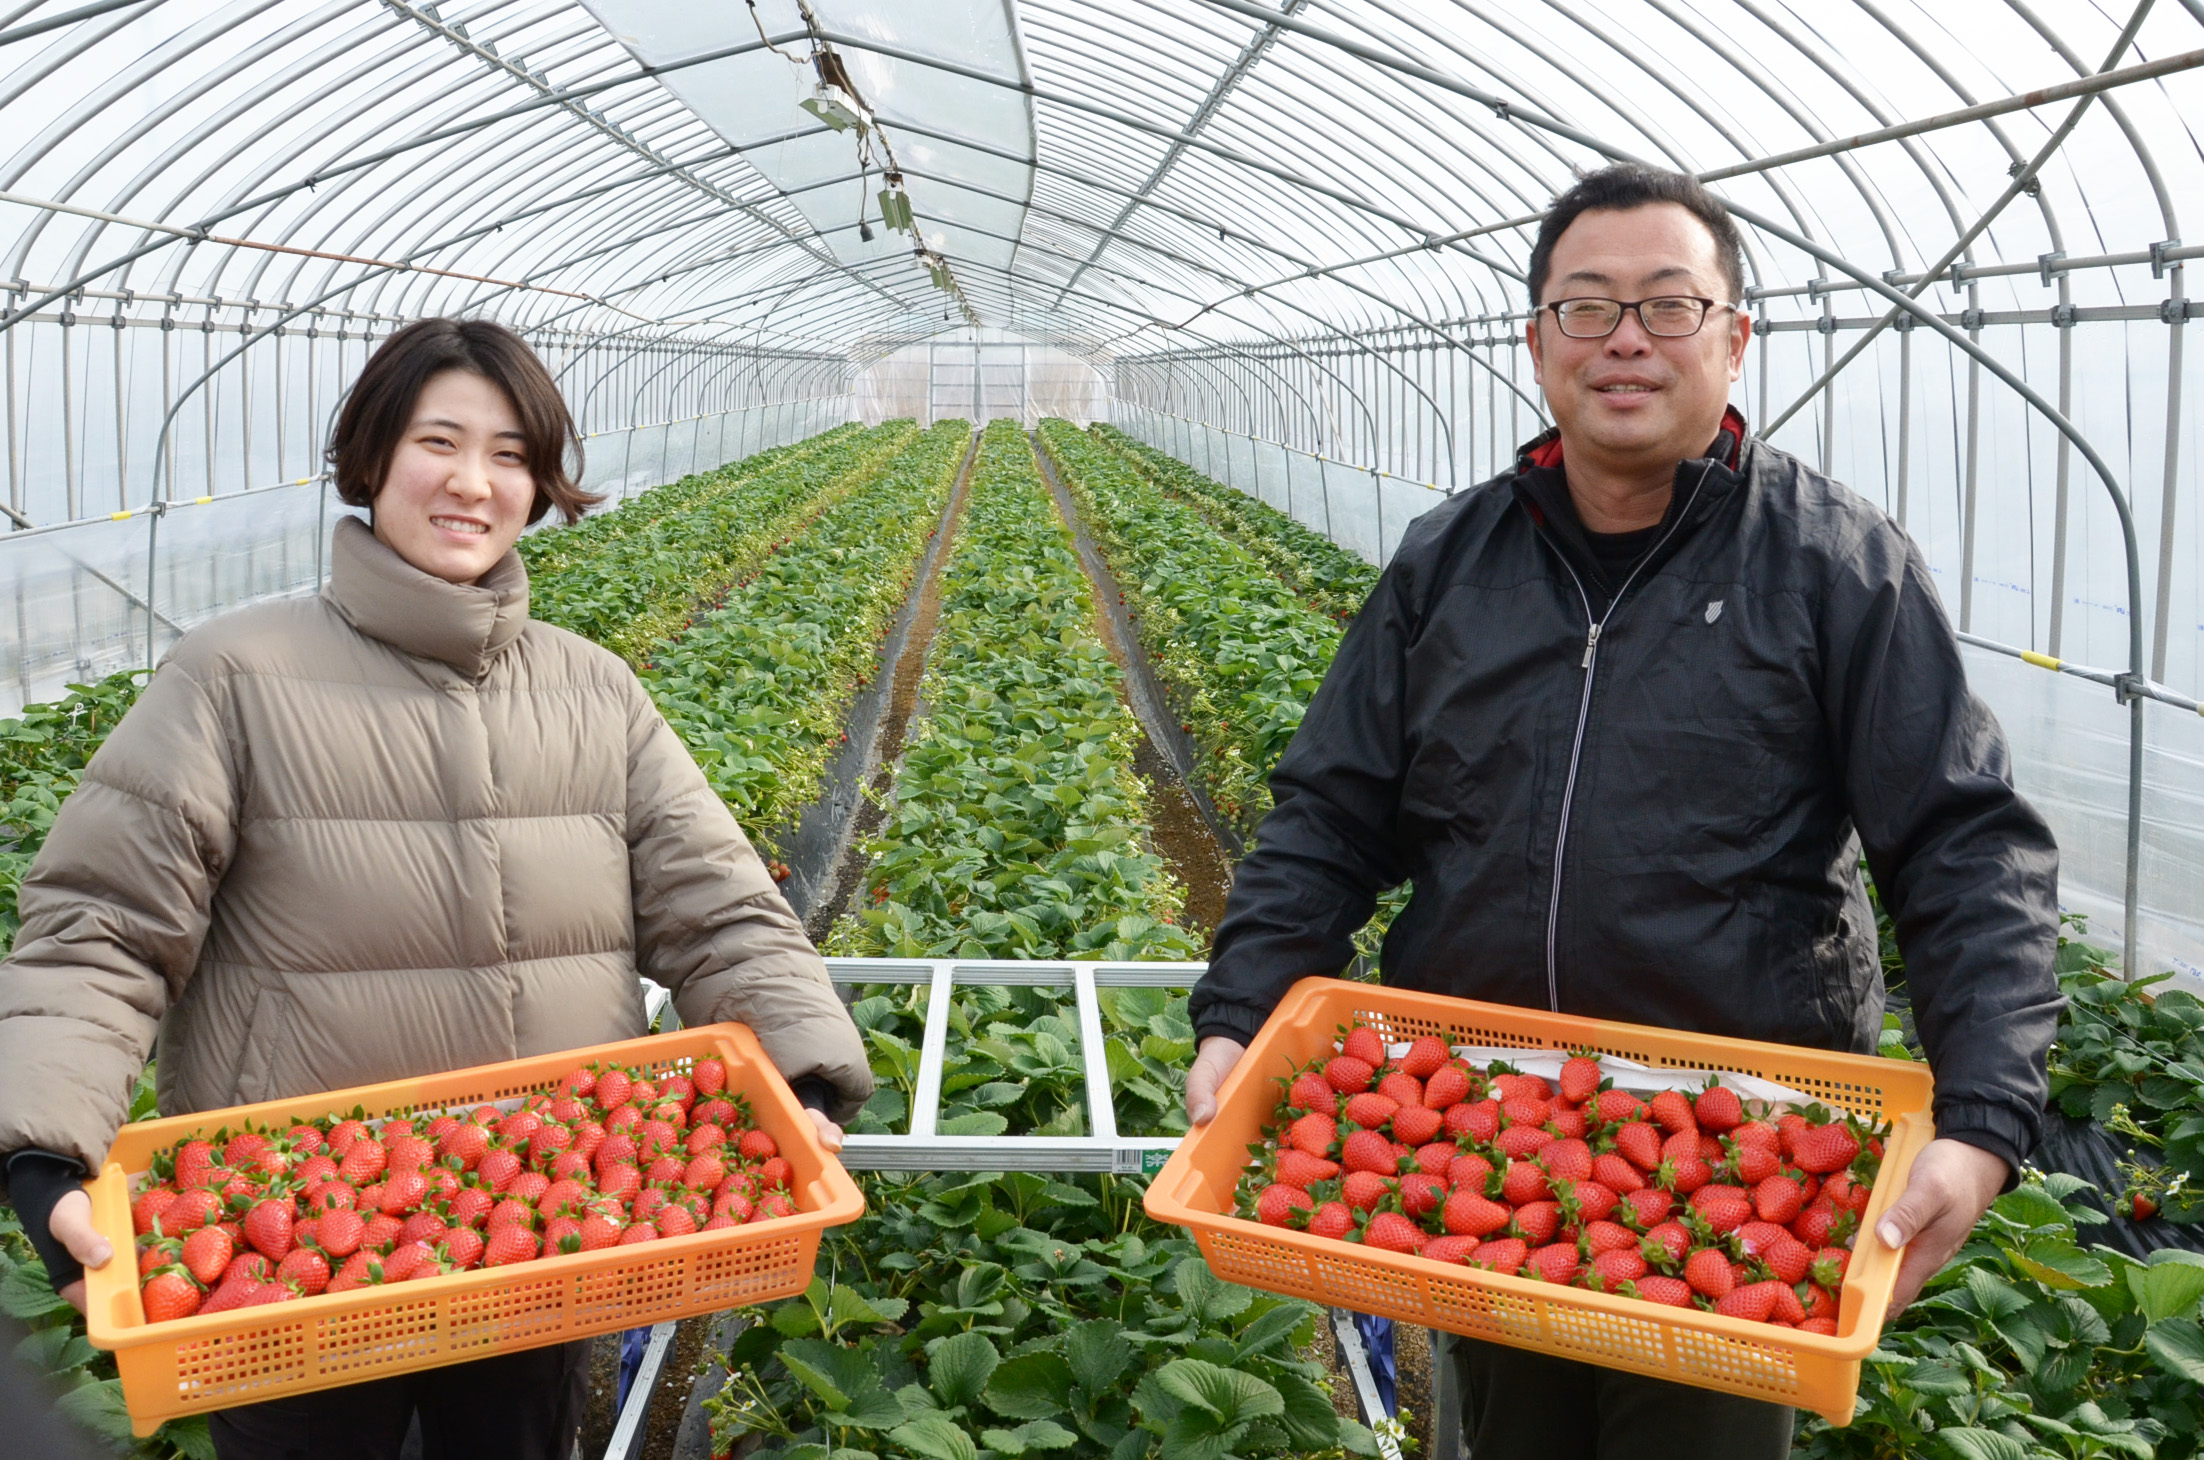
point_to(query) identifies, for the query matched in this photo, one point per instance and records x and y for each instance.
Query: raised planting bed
(1018, 827)
(1238, 652)
(758, 687)
(1329, 578)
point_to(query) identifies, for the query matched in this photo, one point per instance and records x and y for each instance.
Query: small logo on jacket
(1714, 609)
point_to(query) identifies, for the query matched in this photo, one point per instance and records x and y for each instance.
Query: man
(1626, 717)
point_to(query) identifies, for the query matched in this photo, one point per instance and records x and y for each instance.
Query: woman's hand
(71, 1224)
(830, 1136)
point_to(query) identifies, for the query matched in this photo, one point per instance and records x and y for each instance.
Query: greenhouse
(993, 418)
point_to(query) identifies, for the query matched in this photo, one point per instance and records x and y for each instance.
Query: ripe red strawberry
(1479, 1120)
(1754, 1302)
(1569, 1122)
(738, 1208)
(426, 1228)
(1313, 1133)
(1753, 1162)
(1788, 1308)
(1718, 1109)
(1684, 1174)
(207, 1254)
(644, 1232)
(380, 1232)
(1845, 1193)
(268, 1227)
(147, 1209)
(1617, 1106)
(1299, 1168)
(512, 1243)
(1618, 1175)
(1469, 1213)
(1426, 1054)
(1605, 1236)
(1647, 1207)
(1362, 1043)
(1370, 1110)
(1312, 1092)
(511, 1212)
(1580, 1077)
(1522, 1182)
(463, 1248)
(1669, 1292)
(358, 1271)
(189, 1212)
(466, 1144)
(709, 1076)
(1777, 1200)
(1437, 1158)
(1787, 1257)
(1415, 1124)
(613, 1088)
(647, 1204)
(1519, 1141)
(305, 1270)
(1819, 1301)
(756, 1146)
(773, 1205)
(1526, 1110)
(1639, 1143)
(407, 1261)
(1666, 1243)
(705, 1172)
(1566, 1160)
(1726, 1208)
(1401, 1089)
(1610, 1270)
(1391, 1232)
(403, 1192)
(499, 1170)
(1363, 1190)
(600, 1231)
(1828, 1267)
(194, 1159)
(1280, 1204)
(407, 1152)
(363, 1162)
(155, 1253)
(529, 1187)
(1557, 1263)
(1539, 1222)
(1450, 1248)
(1708, 1272)
(1468, 1170)
(248, 1265)
(339, 1232)
(1671, 1111)
(1759, 1133)
(1366, 1150)
(1448, 1086)
(1420, 1195)
(1825, 1148)
(1333, 1219)
(1348, 1075)
(1501, 1254)
(1588, 1201)
(1826, 1327)
(168, 1294)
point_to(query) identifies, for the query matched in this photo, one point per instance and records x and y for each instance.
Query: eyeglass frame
(1633, 306)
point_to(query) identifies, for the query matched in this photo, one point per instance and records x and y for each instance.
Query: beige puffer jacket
(396, 829)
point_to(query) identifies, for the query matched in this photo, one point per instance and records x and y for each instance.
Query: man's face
(1635, 401)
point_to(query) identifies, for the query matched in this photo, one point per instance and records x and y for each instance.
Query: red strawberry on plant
(1362, 1043)
(1501, 1254)
(1610, 1270)
(1391, 1232)
(1348, 1075)
(1450, 1248)
(1580, 1077)
(1469, 1213)
(1718, 1109)
(1448, 1086)
(1708, 1272)
(169, 1293)
(1299, 1168)
(1669, 1292)
(1426, 1054)
(207, 1254)
(305, 1270)
(1557, 1263)
(1366, 1150)
(1416, 1124)
(268, 1227)
(1280, 1204)
(1363, 1190)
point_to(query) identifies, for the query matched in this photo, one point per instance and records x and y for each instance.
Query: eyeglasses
(1670, 316)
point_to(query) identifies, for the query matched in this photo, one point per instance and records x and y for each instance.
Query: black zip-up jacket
(1647, 801)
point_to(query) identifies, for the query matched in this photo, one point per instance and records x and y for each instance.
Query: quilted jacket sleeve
(114, 909)
(711, 926)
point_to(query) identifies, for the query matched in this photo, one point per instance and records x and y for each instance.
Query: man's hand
(71, 1224)
(830, 1134)
(1212, 1063)
(1952, 1184)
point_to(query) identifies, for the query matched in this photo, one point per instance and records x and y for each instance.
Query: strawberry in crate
(609, 1156)
(1686, 1200)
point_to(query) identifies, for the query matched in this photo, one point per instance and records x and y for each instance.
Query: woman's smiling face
(459, 489)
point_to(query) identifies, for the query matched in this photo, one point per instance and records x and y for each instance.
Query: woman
(395, 829)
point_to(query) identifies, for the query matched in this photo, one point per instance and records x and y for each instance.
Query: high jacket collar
(464, 625)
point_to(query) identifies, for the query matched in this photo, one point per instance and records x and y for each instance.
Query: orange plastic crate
(193, 1365)
(1195, 1190)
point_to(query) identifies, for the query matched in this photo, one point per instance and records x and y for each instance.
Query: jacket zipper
(1590, 666)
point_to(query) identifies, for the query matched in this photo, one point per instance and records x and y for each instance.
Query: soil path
(1199, 849)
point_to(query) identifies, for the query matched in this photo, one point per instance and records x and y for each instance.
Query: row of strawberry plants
(559, 545)
(1017, 828)
(1332, 580)
(1238, 653)
(639, 589)
(758, 688)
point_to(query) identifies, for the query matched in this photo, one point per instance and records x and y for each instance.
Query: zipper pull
(1591, 647)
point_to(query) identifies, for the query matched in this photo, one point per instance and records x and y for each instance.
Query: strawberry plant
(42, 757)
(758, 687)
(1016, 829)
(1238, 652)
(1330, 579)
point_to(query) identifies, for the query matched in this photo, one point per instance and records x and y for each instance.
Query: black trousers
(522, 1406)
(1518, 1405)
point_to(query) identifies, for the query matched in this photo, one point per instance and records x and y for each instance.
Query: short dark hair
(380, 405)
(1628, 185)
